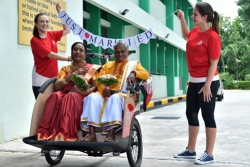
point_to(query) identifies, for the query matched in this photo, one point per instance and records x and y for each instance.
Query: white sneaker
(204, 159)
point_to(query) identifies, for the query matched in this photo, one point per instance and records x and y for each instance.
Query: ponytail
(216, 22)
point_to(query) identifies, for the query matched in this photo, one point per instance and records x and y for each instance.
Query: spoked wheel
(135, 150)
(54, 157)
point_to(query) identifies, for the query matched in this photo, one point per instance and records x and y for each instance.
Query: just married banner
(101, 41)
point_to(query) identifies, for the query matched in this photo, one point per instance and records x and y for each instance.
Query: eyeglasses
(80, 50)
(122, 51)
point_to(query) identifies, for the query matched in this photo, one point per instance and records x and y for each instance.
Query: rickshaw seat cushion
(46, 84)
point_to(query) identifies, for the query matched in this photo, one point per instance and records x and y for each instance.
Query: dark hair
(205, 8)
(35, 30)
(74, 44)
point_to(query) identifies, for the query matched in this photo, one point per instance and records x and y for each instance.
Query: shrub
(247, 77)
(228, 81)
(244, 85)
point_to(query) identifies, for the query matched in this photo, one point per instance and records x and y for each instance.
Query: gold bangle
(64, 82)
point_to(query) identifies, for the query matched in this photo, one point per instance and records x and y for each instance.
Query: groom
(104, 115)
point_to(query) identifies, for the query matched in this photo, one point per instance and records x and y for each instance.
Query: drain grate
(165, 117)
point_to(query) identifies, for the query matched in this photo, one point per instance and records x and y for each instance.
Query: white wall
(177, 90)
(16, 62)
(158, 11)
(192, 2)
(135, 2)
(131, 31)
(177, 26)
(160, 86)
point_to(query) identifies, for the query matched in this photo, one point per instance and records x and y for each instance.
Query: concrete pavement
(164, 131)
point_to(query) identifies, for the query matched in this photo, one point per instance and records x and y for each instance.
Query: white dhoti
(102, 114)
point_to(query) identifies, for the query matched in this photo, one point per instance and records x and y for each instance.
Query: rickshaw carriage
(128, 140)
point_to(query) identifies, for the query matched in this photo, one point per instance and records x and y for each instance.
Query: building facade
(164, 57)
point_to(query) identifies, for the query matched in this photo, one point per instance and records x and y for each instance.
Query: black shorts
(195, 102)
(35, 91)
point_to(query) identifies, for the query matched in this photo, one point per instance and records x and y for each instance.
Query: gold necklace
(74, 67)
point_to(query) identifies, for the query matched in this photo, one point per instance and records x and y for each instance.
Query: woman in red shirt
(203, 53)
(45, 51)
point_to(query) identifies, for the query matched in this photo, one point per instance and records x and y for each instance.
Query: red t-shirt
(46, 66)
(201, 47)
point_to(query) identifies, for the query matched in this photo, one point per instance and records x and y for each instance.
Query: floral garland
(107, 80)
(80, 82)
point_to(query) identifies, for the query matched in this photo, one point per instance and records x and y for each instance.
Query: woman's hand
(58, 8)
(82, 70)
(180, 14)
(207, 95)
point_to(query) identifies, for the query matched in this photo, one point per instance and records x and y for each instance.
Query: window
(104, 15)
(84, 41)
(84, 6)
(104, 33)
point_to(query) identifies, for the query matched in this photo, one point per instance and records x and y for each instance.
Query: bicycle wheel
(54, 157)
(134, 153)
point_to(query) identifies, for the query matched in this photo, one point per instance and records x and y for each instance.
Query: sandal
(108, 139)
(89, 139)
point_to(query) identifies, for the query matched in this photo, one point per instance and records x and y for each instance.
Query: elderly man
(102, 111)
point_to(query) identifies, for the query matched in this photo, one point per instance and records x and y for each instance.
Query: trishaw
(128, 140)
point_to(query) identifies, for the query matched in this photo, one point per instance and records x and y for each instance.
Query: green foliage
(244, 15)
(80, 82)
(107, 80)
(235, 48)
(247, 77)
(228, 81)
(235, 37)
(244, 85)
(237, 58)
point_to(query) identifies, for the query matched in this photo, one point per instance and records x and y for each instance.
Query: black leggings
(195, 102)
(35, 91)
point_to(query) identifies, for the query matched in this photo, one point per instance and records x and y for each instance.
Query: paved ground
(161, 138)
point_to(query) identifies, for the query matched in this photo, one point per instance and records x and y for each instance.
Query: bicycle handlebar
(105, 55)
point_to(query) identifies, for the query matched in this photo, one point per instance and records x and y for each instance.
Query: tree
(235, 37)
(244, 16)
(237, 55)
